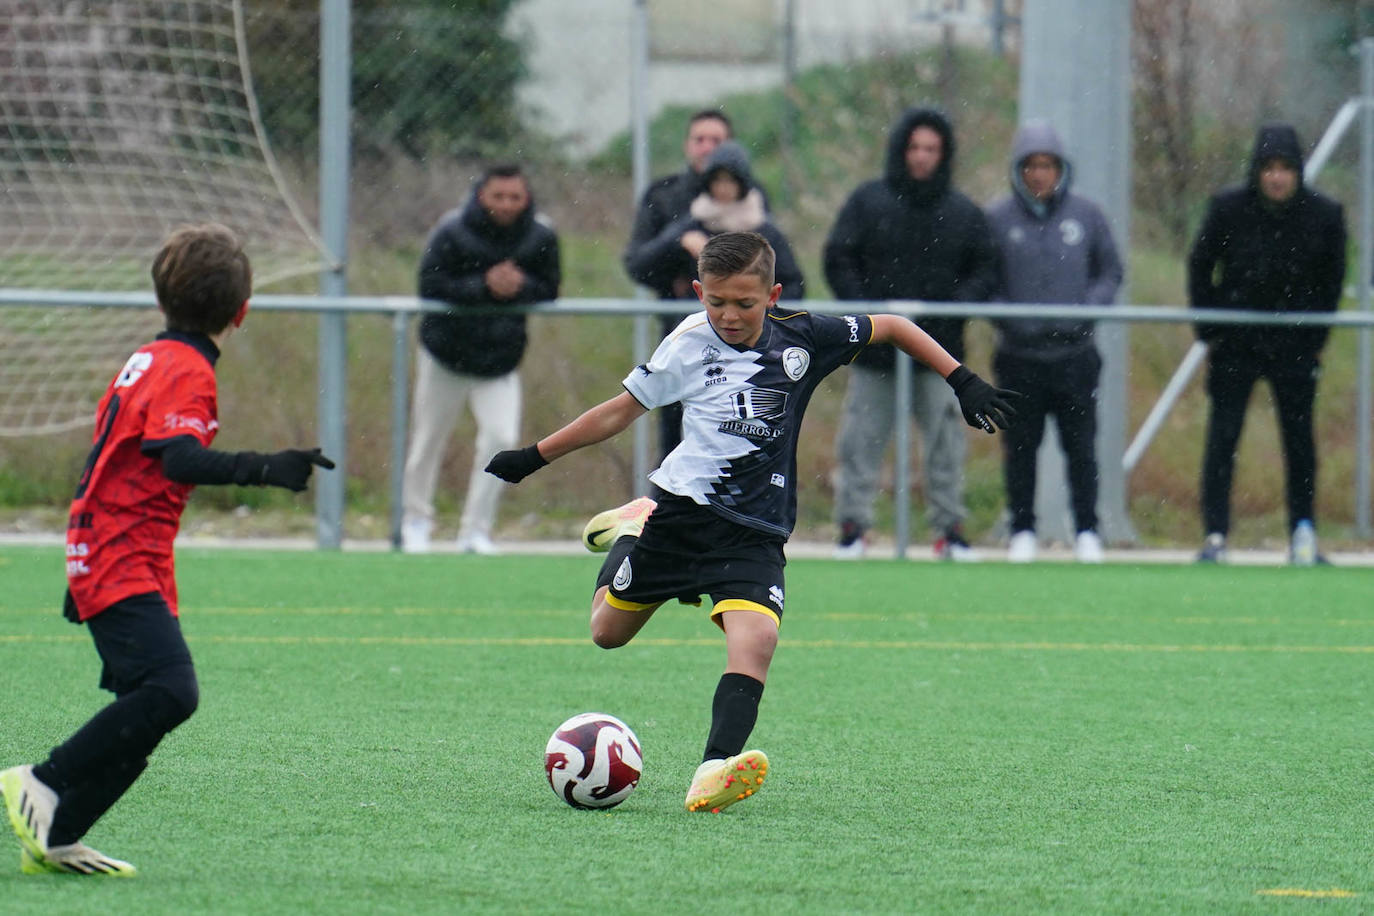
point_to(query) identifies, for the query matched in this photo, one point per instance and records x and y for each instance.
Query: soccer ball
(593, 761)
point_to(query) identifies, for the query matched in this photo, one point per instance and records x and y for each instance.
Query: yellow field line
(926, 645)
(1303, 892)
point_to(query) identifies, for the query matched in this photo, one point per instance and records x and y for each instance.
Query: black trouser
(1231, 377)
(148, 667)
(1065, 389)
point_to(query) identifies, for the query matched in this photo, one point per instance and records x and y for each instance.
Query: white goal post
(121, 120)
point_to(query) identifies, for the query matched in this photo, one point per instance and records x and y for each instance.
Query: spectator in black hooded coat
(908, 235)
(1271, 244)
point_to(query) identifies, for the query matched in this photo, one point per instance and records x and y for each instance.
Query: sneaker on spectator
(1302, 550)
(1087, 547)
(1022, 547)
(477, 543)
(851, 545)
(953, 547)
(1213, 549)
(415, 534)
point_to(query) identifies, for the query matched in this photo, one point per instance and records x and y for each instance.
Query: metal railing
(330, 509)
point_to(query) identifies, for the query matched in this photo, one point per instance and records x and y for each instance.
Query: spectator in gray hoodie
(1056, 248)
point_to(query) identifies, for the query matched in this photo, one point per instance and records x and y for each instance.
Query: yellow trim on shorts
(743, 604)
(623, 605)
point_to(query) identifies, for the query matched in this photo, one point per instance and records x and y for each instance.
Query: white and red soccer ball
(593, 761)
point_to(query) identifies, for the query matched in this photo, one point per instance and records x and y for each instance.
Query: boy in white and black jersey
(744, 372)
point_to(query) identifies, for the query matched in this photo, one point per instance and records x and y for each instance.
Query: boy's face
(737, 305)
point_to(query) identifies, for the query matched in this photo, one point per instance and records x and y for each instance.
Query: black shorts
(687, 551)
(138, 640)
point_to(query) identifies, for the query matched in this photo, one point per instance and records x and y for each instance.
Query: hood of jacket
(1275, 141)
(1033, 137)
(894, 170)
(732, 158)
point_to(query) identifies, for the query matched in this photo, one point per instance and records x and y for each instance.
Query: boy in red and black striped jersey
(153, 430)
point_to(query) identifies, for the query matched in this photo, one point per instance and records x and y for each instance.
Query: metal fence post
(639, 176)
(1364, 396)
(335, 69)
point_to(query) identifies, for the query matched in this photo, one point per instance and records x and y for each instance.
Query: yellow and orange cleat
(718, 784)
(607, 527)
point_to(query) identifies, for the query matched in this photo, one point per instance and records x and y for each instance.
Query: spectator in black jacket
(668, 270)
(494, 250)
(1271, 244)
(908, 235)
(728, 200)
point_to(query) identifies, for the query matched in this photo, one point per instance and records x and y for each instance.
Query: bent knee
(179, 693)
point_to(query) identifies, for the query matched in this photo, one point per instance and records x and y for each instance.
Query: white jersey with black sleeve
(743, 408)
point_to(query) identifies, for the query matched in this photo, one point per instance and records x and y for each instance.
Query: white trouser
(440, 395)
(866, 425)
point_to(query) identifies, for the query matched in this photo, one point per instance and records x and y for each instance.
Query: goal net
(121, 119)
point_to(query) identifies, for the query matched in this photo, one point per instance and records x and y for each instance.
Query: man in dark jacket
(1271, 244)
(668, 269)
(728, 200)
(908, 235)
(1056, 248)
(493, 250)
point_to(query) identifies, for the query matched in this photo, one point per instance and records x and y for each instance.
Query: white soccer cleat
(607, 527)
(1087, 547)
(80, 859)
(1022, 547)
(30, 805)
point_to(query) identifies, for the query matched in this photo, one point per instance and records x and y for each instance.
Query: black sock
(614, 557)
(734, 711)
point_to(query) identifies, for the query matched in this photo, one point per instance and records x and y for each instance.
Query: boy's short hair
(732, 253)
(711, 114)
(202, 277)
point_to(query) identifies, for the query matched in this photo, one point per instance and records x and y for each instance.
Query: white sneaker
(477, 543)
(80, 859)
(1022, 547)
(1087, 547)
(415, 534)
(854, 550)
(1303, 548)
(30, 805)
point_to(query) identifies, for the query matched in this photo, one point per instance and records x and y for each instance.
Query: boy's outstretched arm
(984, 407)
(185, 460)
(596, 425)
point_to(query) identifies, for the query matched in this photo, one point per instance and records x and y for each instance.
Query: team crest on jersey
(795, 362)
(709, 354)
(623, 575)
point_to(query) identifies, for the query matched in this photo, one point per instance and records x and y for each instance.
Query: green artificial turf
(943, 739)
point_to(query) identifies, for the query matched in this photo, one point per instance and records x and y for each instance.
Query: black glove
(290, 468)
(982, 405)
(514, 465)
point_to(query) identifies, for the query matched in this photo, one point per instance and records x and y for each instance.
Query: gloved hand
(290, 468)
(514, 465)
(983, 406)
